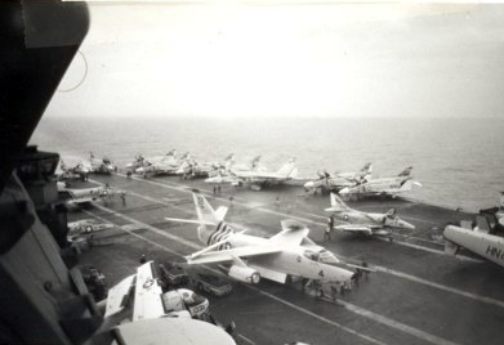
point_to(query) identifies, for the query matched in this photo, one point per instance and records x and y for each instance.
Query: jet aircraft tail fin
(185, 156)
(229, 157)
(337, 204)
(255, 162)
(367, 169)
(205, 212)
(406, 172)
(288, 169)
(207, 216)
(391, 212)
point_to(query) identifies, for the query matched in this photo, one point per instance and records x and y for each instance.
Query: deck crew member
(123, 198)
(329, 229)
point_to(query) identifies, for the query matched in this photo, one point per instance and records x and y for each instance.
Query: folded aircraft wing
(354, 228)
(227, 255)
(148, 303)
(118, 295)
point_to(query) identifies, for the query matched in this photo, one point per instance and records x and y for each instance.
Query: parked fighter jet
(101, 166)
(253, 165)
(79, 171)
(140, 299)
(257, 179)
(386, 186)
(76, 197)
(478, 240)
(365, 222)
(162, 165)
(334, 182)
(140, 160)
(222, 174)
(250, 258)
(83, 168)
(191, 168)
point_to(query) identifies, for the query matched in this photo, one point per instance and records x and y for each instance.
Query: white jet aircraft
(140, 160)
(79, 171)
(191, 168)
(257, 178)
(478, 240)
(253, 165)
(385, 186)
(365, 222)
(101, 166)
(250, 258)
(222, 174)
(156, 316)
(334, 182)
(163, 165)
(76, 197)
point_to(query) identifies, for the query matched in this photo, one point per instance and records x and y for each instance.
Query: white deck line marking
(394, 324)
(306, 220)
(315, 215)
(430, 250)
(419, 219)
(132, 233)
(246, 339)
(419, 280)
(423, 240)
(442, 287)
(194, 246)
(316, 316)
(188, 243)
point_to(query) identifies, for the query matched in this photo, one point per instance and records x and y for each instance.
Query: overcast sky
(359, 60)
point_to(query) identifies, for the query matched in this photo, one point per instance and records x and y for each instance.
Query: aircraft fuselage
(486, 245)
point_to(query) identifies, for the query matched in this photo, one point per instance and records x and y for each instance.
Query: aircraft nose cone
(405, 225)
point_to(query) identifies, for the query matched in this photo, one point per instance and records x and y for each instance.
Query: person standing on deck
(329, 229)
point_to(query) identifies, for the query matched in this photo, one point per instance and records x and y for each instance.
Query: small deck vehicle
(173, 276)
(211, 284)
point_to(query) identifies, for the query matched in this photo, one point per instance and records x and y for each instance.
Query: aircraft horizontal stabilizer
(210, 248)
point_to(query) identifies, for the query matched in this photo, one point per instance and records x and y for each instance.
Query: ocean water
(459, 161)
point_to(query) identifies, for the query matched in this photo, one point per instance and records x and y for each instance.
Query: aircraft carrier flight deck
(416, 295)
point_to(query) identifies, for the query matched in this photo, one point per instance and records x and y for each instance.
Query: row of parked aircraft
(478, 239)
(349, 185)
